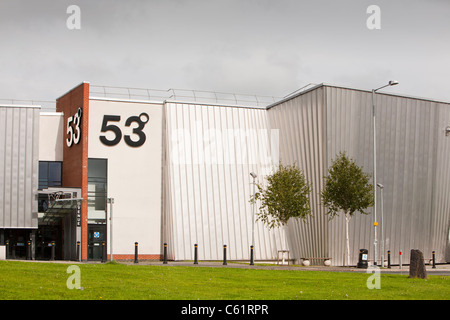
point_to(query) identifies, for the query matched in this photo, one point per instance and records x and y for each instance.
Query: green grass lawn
(37, 280)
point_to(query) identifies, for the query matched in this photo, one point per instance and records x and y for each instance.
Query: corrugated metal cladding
(412, 163)
(301, 122)
(413, 154)
(209, 152)
(19, 138)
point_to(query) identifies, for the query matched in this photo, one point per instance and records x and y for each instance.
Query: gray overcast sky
(259, 47)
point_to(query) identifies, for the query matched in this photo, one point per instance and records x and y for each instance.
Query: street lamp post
(252, 247)
(391, 83)
(111, 202)
(379, 185)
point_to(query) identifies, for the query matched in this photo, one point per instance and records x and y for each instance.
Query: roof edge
(354, 89)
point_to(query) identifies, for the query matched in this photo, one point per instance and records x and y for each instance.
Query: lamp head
(380, 185)
(253, 175)
(393, 82)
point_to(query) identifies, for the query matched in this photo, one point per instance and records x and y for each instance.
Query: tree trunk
(347, 219)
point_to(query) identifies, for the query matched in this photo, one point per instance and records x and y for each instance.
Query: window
(50, 174)
(97, 193)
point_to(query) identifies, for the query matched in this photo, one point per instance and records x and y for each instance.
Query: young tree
(285, 196)
(347, 189)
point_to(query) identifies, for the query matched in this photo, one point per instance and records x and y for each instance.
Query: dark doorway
(17, 239)
(96, 235)
(45, 235)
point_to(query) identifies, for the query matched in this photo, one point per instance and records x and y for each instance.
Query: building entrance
(96, 235)
(59, 223)
(46, 237)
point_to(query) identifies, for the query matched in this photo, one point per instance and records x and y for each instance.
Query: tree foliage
(285, 196)
(347, 188)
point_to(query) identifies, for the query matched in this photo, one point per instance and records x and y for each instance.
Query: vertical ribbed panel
(301, 122)
(413, 154)
(349, 118)
(19, 139)
(207, 202)
(209, 154)
(440, 224)
(412, 163)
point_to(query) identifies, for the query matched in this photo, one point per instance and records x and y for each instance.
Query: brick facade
(75, 157)
(75, 162)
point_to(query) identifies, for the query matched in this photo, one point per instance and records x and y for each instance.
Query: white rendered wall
(134, 174)
(51, 136)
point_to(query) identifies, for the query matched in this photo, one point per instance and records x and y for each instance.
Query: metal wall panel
(412, 164)
(209, 152)
(19, 139)
(206, 197)
(349, 129)
(440, 224)
(301, 121)
(413, 153)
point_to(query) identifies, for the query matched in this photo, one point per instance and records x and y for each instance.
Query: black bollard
(195, 254)
(389, 259)
(252, 262)
(7, 249)
(78, 251)
(28, 250)
(136, 252)
(165, 253)
(103, 251)
(53, 248)
(434, 259)
(224, 254)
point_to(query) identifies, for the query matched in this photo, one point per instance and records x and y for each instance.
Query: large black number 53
(141, 120)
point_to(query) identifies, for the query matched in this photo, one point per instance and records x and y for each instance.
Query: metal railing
(46, 106)
(186, 95)
(181, 95)
(302, 89)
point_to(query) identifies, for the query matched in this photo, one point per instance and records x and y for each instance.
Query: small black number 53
(141, 120)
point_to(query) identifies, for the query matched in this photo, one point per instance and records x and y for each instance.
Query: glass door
(96, 235)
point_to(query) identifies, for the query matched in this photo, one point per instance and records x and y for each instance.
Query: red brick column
(75, 157)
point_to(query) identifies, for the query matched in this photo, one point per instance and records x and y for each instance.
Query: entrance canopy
(59, 209)
(56, 203)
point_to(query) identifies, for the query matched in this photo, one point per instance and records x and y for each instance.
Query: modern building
(118, 166)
